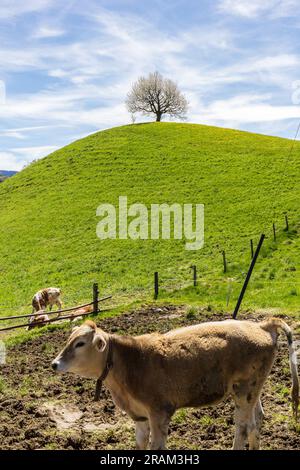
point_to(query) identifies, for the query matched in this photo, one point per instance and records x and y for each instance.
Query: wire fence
(41, 318)
(229, 272)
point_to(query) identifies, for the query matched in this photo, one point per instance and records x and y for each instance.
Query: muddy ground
(41, 410)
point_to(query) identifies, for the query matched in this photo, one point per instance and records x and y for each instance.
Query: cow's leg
(252, 429)
(259, 414)
(253, 434)
(142, 434)
(255, 426)
(246, 429)
(240, 434)
(159, 425)
(59, 305)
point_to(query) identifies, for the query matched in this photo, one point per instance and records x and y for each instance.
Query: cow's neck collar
(108, 366)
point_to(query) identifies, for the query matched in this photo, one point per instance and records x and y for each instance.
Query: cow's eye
(80, 344)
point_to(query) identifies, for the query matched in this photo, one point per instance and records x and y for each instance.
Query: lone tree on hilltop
(156, 95)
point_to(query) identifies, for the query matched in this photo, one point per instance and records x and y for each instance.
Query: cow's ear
(75, 328)
(99, 342)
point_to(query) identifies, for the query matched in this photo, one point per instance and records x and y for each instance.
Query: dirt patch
(64, 415)
(41, 410)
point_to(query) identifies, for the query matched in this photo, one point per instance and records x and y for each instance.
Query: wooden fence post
(96, 298)
(286, 223)
(252, 249)
(224, 261)
(274, 232)
(194, 268)
(156, 288)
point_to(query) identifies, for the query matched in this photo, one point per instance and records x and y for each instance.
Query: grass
(282, 390)
(192, 312)
(207, 420)
(25, 386)
(180, 416)
(48, 218)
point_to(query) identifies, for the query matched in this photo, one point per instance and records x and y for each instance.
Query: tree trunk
(158, 117)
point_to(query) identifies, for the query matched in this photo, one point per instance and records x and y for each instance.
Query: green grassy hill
(246, 181)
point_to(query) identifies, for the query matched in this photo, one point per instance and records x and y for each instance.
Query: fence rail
(55, 312)
(28, 315)
(52, 320)
(67, 317)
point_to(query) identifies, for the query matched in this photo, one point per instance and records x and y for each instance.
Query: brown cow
(49, 296)
(38, 320)
(151, 376)
(80, 311)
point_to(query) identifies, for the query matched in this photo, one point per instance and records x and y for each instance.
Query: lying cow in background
(75, 315)
(45, 297)
(153, 375)
(37, 320)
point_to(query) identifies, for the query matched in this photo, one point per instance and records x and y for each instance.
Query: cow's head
(85, 352)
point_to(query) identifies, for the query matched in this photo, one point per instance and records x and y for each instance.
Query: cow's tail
(273, 325)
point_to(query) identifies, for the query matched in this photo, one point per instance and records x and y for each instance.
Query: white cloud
(249, 9)
(44, 32)
(34, 152)
(285, 8)
(11, 8)
(57, 73)
(13, 134)
(9, 161)
(16, 59)
(91, 74)
(254, 8)
(16, 158)
(245, 108)
(24, 132)
(128, 49)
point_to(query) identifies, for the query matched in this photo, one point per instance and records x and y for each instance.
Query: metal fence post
(156, 287)
(224, 261)
(194, 268)
(95, 298)
(286, 223)
(248, 276)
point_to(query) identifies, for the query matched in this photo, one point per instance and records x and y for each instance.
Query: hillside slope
(246, 181)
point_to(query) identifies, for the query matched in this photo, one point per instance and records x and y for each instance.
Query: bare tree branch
(156, 95)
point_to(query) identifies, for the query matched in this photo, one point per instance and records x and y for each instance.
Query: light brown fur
(74, 315)
(155, 374)
(37, 321)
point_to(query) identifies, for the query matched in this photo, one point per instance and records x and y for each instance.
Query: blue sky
(67, 66)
